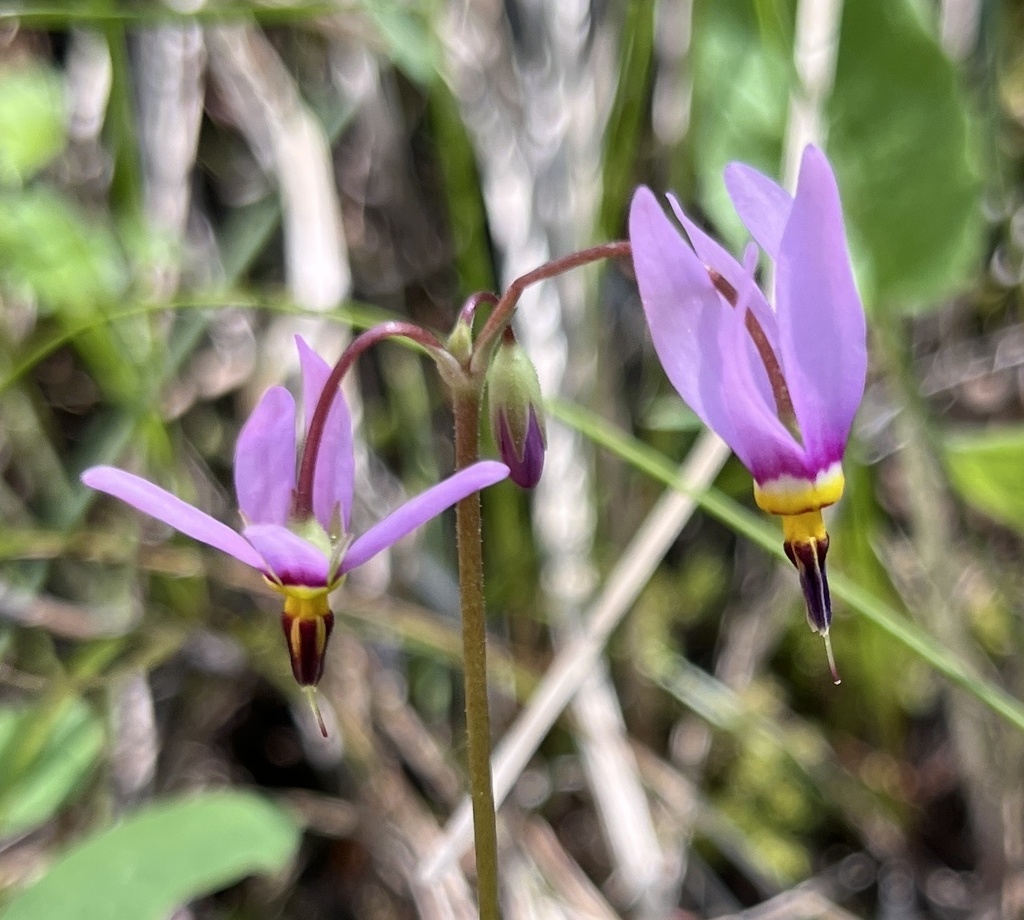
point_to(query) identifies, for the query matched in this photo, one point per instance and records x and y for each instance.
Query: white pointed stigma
(836, 679)
(311, 697)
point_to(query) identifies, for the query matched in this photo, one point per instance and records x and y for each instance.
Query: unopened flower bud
(460, 342)
(517, 413)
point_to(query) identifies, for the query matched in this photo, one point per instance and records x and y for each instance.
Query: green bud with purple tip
(517, 412)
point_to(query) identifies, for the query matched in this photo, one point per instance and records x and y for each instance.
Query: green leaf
(900, 137)
(31, 121)
(45, 244)
(161, 858)
(625, 120)
(985, 468)
(904, 150)
(741, 86)
(74, 267)
(409, 36)
(467, 215)
(68, 753)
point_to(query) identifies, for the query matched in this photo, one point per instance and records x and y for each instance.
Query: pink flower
(303, 560)
(782, 391)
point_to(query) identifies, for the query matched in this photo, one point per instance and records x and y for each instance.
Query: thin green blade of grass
(65, 15)
(360, 316)
(659, 467)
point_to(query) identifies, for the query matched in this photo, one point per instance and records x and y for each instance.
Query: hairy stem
(474, 655)
(502, 312)
(471, 305)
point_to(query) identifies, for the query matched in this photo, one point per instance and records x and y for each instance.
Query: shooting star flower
(302, 560)
(780, 386)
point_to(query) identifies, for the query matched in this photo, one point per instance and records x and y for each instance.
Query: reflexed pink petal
(761, 441)
(265, 459)
(422, 508)
(739, 276)
(708, 250)
(762, 205)
(335, 463)
(685, 314)
(289, 558)
(751, 294)
(821, 320)
(713, 255)
(159, 503)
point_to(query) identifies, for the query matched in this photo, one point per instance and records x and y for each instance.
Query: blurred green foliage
(906, 149)
(162, 856)
(32, 130)
(986, 467)
(94, 367)
(899, 133)
(32, 789)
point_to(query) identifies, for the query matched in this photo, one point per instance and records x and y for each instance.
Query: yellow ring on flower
(789, 495)
(304, 602)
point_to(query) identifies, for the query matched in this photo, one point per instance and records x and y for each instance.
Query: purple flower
(780, 386)
(303, 560)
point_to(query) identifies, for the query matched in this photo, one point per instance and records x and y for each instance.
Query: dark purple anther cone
(307, 642)
(526, 467)
(809, 559)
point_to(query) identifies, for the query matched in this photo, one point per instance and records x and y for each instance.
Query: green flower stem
(469, 308)
(474, 655)
(502, 313)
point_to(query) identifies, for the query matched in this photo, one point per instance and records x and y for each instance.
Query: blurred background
(186, 185)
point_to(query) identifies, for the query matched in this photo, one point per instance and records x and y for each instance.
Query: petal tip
(94, 475)
(643, 207)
